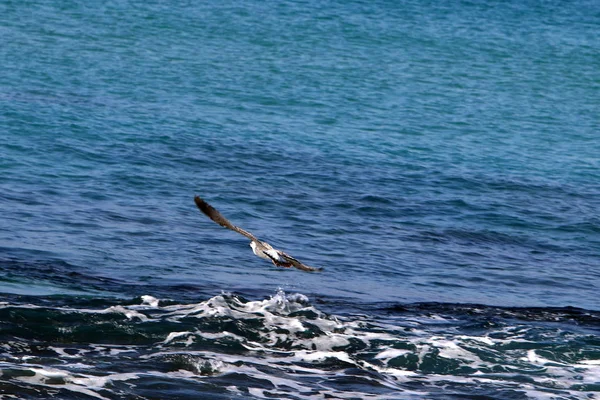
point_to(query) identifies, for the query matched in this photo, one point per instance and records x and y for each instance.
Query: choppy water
(439, 160)
(286, 347)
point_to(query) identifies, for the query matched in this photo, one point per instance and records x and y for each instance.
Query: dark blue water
(440, 161)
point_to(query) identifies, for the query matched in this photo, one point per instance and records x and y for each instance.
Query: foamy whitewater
(285, 347)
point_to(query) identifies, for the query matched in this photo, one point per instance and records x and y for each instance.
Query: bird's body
(261, 249)
(264, 250)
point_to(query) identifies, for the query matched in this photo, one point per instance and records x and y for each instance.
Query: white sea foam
(589, 371)
(389, 354)
(128, 312)
(289, 343)
(149, 300)
(48, 376)
(176, 335)
(62, 352)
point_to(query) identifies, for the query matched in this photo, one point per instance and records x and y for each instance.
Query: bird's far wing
(216, 216)
(297, 263)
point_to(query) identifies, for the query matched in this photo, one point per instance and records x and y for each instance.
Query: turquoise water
(439, 160)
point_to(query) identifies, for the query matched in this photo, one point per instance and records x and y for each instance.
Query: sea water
(440, 161)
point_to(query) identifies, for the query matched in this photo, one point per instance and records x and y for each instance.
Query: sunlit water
(439, 161)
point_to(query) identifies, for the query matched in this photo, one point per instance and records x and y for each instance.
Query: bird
(261, 249)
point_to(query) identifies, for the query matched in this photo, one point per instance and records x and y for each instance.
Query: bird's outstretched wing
(297, 263)
(216, 216)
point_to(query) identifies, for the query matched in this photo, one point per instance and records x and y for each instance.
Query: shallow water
(439, 161)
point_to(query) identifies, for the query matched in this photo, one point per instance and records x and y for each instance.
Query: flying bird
(260, 248)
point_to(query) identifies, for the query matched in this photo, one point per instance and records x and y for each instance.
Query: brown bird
(260, 248)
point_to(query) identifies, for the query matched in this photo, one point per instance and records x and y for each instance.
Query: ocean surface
(439, 159)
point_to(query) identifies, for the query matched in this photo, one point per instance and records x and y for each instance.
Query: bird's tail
(297, 264)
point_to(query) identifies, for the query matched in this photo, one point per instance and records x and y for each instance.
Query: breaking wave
(286, 347)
